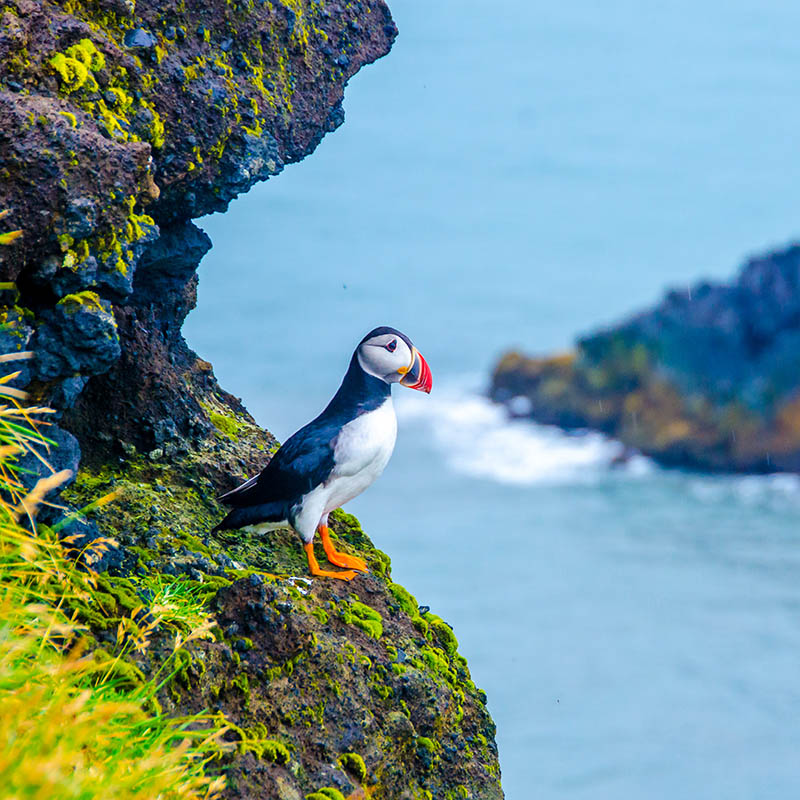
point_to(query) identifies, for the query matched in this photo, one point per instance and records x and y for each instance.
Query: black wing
(303, 462)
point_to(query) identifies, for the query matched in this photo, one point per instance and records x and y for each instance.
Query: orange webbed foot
(313, 566)
(344, 560)
(338, 558)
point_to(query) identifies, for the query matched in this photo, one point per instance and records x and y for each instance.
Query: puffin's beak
(418, 375)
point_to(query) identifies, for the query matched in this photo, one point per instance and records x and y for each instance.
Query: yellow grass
(70, 726)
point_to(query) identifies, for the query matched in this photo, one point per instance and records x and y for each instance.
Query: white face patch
(384, 356)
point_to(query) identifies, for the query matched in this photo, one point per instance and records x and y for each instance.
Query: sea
(512, 175)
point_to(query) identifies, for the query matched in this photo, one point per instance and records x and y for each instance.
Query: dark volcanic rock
(708, 378)
(115, 126)
(139, 38)
(79, 336)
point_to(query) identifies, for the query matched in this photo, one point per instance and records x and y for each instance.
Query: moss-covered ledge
(329, 686)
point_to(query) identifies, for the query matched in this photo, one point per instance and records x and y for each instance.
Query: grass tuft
(78, 722)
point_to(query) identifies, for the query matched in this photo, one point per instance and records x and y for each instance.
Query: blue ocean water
(517, 173)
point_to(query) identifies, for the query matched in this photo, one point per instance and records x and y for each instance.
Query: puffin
(337, 455)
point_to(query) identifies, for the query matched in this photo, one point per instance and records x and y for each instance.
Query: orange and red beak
(418, 375)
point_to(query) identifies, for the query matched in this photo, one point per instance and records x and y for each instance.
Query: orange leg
(335, 557)
(325, 573)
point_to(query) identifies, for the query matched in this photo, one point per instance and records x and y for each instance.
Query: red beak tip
(427, 379)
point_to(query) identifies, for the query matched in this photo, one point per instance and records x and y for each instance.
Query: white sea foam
(477, 437)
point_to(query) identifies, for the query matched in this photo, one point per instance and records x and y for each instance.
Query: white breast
(363, 450)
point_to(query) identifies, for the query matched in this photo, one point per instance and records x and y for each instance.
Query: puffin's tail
(252, 515)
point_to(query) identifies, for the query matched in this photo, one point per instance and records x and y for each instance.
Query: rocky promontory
(708, 379)
(120, 122)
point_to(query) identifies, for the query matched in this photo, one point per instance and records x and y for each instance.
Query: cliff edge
(120, 121)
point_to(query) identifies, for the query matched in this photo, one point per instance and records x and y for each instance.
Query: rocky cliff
(709, 378)
(120, 122)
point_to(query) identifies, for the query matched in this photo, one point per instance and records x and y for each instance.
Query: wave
(477, 438)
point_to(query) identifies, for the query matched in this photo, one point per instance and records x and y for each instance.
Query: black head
(385, 330)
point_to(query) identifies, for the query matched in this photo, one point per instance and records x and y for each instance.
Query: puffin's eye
(392, 346)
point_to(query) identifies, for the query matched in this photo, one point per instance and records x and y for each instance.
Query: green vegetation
(79, 721)
(326, 793)
(76, 68)
(426, 744)
(364, 617)
(76, 65)
(354, 764)
(254, 740)
(316, 647)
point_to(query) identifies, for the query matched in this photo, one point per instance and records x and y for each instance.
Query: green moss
(314, 714)
(73, 73)
(364, 617)
(273, 750)
(76, 68)
(76, 65)
(207, 589)
(346, 527)
(87, 53)
(408, 603)
(443, 633)
(381, 689)
(109, 601)
(181, 663)
(354, 764)
(326, 793)
(320, 614)
(435, 662)
(145, 498)
(242, 683)
(254, 740)
(404, 599)
(224, 424)
(122, 590)
(426, 744)
(192, 542)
